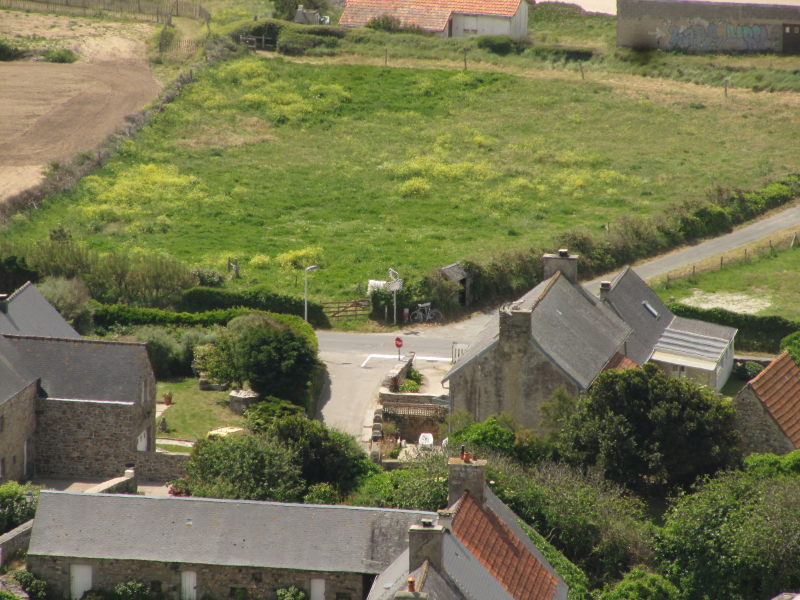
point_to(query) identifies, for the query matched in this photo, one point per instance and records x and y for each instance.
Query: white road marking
(403, 357)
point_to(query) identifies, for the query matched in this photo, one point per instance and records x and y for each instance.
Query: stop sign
(398, 342)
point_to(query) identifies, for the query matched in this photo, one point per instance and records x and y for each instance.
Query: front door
(80, 580)
(791, 38)
(188, 585)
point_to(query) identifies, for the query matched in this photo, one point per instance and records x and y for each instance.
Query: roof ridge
(553, 278)
(17, 291)
(47, 338)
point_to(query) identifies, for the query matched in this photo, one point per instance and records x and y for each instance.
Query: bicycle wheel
(417, 316)
(435, 316)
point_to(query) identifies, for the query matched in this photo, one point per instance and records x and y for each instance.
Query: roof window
(649, 308)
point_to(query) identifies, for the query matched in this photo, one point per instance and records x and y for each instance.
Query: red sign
(398, 342)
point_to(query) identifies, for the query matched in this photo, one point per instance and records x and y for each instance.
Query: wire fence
(159, 11)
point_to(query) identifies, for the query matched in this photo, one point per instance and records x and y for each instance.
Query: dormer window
(650, 309)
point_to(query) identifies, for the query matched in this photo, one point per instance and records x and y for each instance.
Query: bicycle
(425, 314)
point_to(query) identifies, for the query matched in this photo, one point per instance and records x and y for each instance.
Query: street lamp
(305, 288)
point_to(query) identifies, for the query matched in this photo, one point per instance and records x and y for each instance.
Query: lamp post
(305, 289)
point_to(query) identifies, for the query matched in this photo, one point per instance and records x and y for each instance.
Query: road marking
(403, 357)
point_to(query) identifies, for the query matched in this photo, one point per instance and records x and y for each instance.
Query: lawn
(193, 412)
(770, 280)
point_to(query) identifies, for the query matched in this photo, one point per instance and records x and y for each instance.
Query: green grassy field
(193, 412)
(771, 278)
(367, 167)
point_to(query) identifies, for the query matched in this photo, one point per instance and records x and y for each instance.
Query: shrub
(409, 386)
(132, 590)
(32, 585)
(748, 369)
(260, 416)
(293, 43)
(290, 593)
(9, 52)
(164, 351)
(641, 584)
(208, 277)
(321, 493)
(501, 44)
(60, 55)
(385, 23)
(15, 509)
(70, 297)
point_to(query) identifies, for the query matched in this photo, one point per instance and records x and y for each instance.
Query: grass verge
(194, 412)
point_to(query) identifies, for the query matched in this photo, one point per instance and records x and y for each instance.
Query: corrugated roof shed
(221, 532)
(431, 15)
(778, 388)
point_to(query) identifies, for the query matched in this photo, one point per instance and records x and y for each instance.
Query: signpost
(398, 341)
(395, 285)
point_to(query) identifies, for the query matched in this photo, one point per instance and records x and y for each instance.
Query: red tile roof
(431, 15)
(778, 388)
(620, 361)
(501, 553)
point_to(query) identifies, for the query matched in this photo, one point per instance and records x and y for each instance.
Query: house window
(155, 587)
(650, 309)
(2, 423)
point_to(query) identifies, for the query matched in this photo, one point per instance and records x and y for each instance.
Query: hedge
(761, 334)
(203, 299)
(121, 314)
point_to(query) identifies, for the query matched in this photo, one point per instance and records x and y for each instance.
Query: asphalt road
(357, 362)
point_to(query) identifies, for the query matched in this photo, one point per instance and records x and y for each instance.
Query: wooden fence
(151, 10)
(347, 309)
(255, 42)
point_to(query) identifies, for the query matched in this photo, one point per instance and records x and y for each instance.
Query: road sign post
(398, 341)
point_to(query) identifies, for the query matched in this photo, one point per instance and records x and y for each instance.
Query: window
(2, 467)
(649, 308)
(2, 423)
(155, 587)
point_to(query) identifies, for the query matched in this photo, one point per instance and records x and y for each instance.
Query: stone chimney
(466, 475)
(4, 303)
(605, 288)
(425, 542)
(563, 261)
(515, 325)
(410, 591)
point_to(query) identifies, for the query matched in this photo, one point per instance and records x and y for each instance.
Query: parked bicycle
(426, 314)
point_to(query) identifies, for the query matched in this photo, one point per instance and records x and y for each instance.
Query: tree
(70, 297)
(650, 432)
(14, 272)
(253, 467)
(17, 504)
(489, 435)
(737, 536)
(641, 584)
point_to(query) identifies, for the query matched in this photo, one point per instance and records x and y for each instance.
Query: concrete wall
(16, 540)
(514, 377)
(470, 25)
(212, 581)
(759, 431)
(703, 26)
(18, 417)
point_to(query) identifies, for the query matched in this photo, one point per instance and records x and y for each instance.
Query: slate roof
(220, 532)
(28, 313)
(778, 388)
(12, 379)
(573, 328)
(81, 369)
(431, 15)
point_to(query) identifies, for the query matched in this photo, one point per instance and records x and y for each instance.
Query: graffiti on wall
(713, 36)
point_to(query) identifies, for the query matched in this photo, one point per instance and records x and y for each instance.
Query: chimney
(466, 475)
(563, 261)
(515, 325)
(605, 288)
(4, 303)
(425, 542)
(411, 591)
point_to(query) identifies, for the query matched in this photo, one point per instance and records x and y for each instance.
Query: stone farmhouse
(768, 408)
(445, 18)
(695, 26)
(189, 548)
(71, 407)
(560, 335)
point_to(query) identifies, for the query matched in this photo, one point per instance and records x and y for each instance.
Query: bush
(32, 585)
(60, 55)
(132, 590)
(290, 593)
(293, 43)
(9, 52)
(14, 506)
(641, 584)
(260, 416)
(409, 386)
(747, 369)
(70, 297)
(575, 579)
(208, 277)
(501, 44)
(164, 351)
(386, 23)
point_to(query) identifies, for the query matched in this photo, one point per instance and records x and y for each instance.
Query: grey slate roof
(630, 297)
(703, 328)
(28, 313)
(575, 330)
(687, 343)
(221, 532)
(80, 368)
(12, 379)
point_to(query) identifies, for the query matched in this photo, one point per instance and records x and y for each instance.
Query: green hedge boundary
(208, 299)
(756, 333)
(119, 314)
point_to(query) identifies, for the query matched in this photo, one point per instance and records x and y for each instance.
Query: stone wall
(213, 581)
(18, 419)
(159, 466)
(703, 26)
(126, 484)
(411, 426)
(14, 541)
(759, 431)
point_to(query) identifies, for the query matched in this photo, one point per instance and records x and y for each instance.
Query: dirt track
(52, 111)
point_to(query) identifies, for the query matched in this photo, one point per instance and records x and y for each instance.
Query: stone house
(475, 550)
(695, 26)
(70, 406)
(191, 548)
(768, 408)
(445, 18)
(559, 335)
